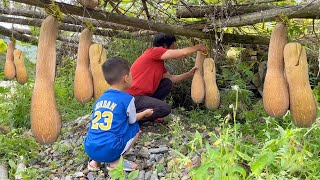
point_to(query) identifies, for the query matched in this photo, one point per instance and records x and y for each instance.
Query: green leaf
(199, 138)
(244, 156)
(262, 162)
(3, 46)
(240, 170)
(159, 168)
(133, 175)
(117, 172)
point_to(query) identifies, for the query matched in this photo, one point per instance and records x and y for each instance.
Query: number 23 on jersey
(107, 117)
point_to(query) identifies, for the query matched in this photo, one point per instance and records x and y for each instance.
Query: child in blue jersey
(114, 128)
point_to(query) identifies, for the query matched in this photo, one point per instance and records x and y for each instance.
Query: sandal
(91, 168)
(127, 166)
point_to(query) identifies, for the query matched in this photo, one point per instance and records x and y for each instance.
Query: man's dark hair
(114, 68)
(164, 40)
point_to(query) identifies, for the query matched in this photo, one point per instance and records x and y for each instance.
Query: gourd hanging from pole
(9, 67)
(303, 107)
(45, 118)
(97, 56)
(212, 95)
(197, 85)
(275, 88)
(22, 75)
(83, 85)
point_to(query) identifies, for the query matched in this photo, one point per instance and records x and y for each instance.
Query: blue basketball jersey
(113, 125)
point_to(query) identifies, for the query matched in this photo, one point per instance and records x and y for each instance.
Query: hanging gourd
(45, 118)
(197, 84)
(22, 75)
(275, 88)
(97, 56)
(83, 85)
(9, 67)
(303, 107)
(90, 3)
(212, 95)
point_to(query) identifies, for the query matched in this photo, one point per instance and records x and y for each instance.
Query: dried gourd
(303, 107)
(275, 88)
(22, 75)
(97, 56)
(212, 97)
(45, 118)
(83, 87)
(9, 67)
(90, 3)
(197, 84)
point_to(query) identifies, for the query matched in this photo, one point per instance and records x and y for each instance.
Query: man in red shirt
(151, 81)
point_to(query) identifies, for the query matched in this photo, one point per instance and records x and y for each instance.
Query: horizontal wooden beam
(220, 11)
(67, 19)
(143, 24)
(65, 27)
(11, 33)
(309, 11)
(60, 37)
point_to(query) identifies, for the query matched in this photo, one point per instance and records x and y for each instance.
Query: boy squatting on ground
(114, 128)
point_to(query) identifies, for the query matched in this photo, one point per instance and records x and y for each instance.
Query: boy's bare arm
(145, 113)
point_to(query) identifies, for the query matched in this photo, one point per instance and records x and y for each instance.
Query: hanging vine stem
(54, 10)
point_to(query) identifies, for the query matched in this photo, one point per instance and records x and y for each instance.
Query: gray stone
(131, 158)
(143, 152)
(149, 163)
(185, 177)
(196, 161)
(80, 168)
(56, 178)
(51, 177)
(68, 177)
(161, 174)
(154, 177)
(79, 174)
(141, 175)
(148, 175)
(33, 161)
(159, 150)
(158, 157)
(153, 157)
(91, 176)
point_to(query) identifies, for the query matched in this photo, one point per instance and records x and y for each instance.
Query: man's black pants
(155, 102)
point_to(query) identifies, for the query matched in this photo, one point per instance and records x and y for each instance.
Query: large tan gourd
(83, 85)
(97, 57)
(9, 67)
(45, 118)
(303, 107)
(197, 84)
(90, 3)
(22, 75)
(212, 97)
(275, 88)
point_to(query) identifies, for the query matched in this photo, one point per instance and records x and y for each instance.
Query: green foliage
(117, 172)
(268, 148)
(3, 46)
(129, 49)
(68, 106)
(16, 144)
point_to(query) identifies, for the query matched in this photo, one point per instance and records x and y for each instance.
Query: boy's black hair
(164, 40)
(114, 69)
